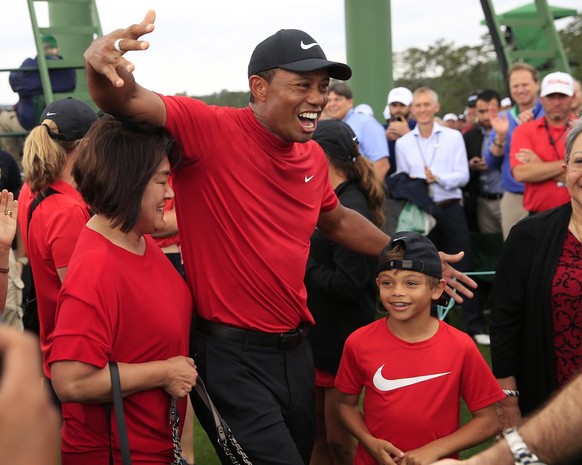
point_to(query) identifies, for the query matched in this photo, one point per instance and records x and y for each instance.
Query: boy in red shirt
(413, 368)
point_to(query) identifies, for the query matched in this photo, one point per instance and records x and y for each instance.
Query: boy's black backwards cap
(420, 255)
(336, 138)
(294, 50)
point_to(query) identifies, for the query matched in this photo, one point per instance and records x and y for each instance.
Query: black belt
(448, 203)
(486, 196)
(282, 341)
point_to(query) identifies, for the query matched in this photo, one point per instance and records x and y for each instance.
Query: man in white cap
(538, 148)
(397, 115)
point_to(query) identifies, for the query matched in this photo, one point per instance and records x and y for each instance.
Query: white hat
(558, 83)
(506, 102)
(364, 109)
(450, 117)
(401, 95)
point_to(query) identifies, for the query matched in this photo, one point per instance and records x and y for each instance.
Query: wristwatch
(519, 449)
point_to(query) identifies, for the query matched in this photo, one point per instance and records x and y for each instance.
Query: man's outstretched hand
(457, 282)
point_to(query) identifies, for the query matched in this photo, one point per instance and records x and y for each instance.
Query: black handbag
(226, 440)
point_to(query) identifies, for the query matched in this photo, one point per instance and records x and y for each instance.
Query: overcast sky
(201, 47)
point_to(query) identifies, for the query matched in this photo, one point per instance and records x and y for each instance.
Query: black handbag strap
(119, 415)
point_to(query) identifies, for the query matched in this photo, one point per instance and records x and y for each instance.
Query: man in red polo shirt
(538, 147)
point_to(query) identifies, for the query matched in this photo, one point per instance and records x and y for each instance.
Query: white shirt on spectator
(443, 153)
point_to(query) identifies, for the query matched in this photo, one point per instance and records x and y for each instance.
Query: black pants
(266, 395)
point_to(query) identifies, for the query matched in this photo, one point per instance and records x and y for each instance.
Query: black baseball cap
(294, 50)
(420, 255)
(72, 117)
(337, 139)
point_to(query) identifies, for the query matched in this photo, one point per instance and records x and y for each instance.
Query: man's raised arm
(110, 75)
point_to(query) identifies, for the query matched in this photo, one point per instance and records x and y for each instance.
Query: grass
(205, 454)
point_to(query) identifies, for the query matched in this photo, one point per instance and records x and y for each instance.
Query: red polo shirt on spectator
(548, 143)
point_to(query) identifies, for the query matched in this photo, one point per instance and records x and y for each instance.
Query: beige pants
(512, 211)
(489, 215)
(11, 144)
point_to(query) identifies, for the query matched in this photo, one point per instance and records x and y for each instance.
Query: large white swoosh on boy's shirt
(383, 384)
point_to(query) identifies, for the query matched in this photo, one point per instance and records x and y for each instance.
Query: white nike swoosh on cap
(307, 179)
(308, 46)
(50, 114)
(383, 384)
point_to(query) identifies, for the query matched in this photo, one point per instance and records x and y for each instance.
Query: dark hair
(489, 94)
(397, 253)
(362, 170)
(341, 89)
(116, 162)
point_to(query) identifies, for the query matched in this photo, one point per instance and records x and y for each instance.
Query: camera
(396, 118)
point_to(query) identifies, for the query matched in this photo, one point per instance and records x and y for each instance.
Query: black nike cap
(294, 50)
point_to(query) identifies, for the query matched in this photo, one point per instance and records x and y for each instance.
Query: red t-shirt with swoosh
(412, 389)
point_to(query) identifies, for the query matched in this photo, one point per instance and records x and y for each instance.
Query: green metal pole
(67, 15)
(369, 51)
(554, 43)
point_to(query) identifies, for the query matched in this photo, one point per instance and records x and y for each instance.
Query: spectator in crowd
(9, 207)
(364, 109)
(450, 120)
(28, 86)
(341, 289)
(536, 296)
(11, 180)
(118, 281)
(398, 120)
(463, 123)
(484, 190)
(247, 280)
(50, 152)
(413, 366)
(437, 154)
(370, 133)
(524, 88)
(471, 111)
(538, 147)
